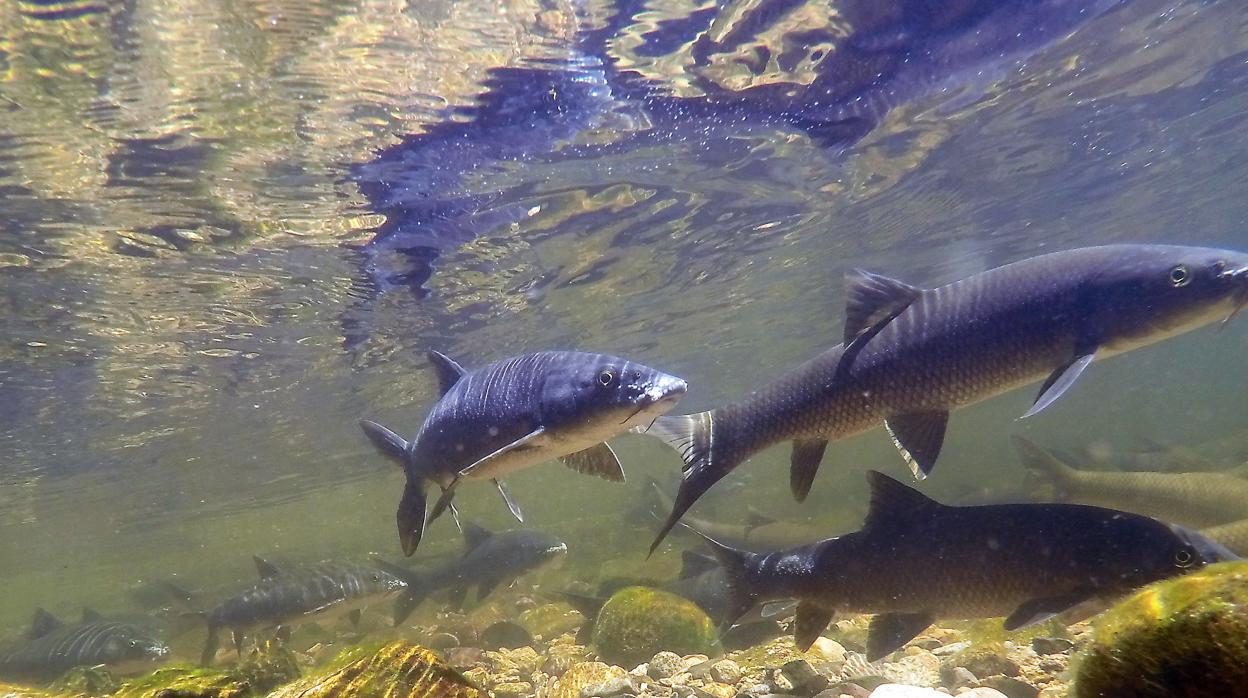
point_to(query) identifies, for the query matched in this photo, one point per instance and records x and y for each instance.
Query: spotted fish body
(55, 648)
(1192, 499)
(283, 597)
(911, 355)
(916, 560)
(516, 413)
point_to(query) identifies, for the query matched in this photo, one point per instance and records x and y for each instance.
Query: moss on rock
(637, 622)
(397, 670)
(1186, 636)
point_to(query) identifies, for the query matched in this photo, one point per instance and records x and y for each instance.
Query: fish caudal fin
(693, 437)
(738, 566)
(411, 514)
(1045, 463)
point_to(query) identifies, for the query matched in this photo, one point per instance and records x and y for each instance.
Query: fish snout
(666, 388)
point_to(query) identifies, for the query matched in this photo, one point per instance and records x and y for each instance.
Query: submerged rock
(84, 680)
(636, 622)
(582, 676)
(185, 682)
(1186, 636)
(397, 670)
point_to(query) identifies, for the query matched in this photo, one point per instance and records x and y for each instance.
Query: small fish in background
(283, 598)
(910, 356)
(1199, 500)
(490, 560)
(516, 413)
(1150, 454)
(915, 561)
(52, 647)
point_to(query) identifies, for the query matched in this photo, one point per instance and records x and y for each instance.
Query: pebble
(981, 692)
(726, 671)
(463, 657)
(1011, 687)
(953, 648)
(1051, 645)
(991, 664)
(441, 641)
(828, 650)
(666, 664)
(900, 690)
(617, 686)
(959, 677)
(513, 689)
(719, 690)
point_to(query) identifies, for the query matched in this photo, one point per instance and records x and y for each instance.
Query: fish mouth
(667, 391)
(1239, 297)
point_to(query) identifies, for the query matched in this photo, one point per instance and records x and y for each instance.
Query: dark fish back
(100, 642)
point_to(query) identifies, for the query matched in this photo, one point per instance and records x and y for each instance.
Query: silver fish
(53, 648)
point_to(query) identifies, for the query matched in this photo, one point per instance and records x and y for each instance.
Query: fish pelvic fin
(1045, 463)
(210, 646)
(387, 443)
(693, 437)
(411, 514)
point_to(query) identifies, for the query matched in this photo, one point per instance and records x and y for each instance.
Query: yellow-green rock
(398, 670)
(637, 622)
(185, 681)
(581, 675)
(85, 680)
(8, 690)
(550, 620)
(1187, 636)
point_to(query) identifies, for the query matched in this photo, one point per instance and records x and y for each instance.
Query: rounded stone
(726, 671)
(637, 622)
(665, 664)
(1186, 636)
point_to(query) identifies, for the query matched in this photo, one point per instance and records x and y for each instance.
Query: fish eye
(606, 378)
(1180, 276)
(1184, 558)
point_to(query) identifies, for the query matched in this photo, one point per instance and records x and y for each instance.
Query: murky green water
(191, 331)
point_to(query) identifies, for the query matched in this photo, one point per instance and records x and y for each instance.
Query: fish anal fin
(892, 501)
(918, 436)
(890, 632)
(42, 624)
(265, 568)
(449, 371)
(411, 515)
(1059, 382)
(597, 460)
(873, 301)
(1041, 609)
(809, 623)
(511, 503)
(803, 465)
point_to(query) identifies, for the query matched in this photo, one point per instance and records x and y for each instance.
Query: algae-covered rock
(85, 680)
(1187, 636)
(8, 690)
(549, 620)
(636, 622)
(185, 681)
(397, 670)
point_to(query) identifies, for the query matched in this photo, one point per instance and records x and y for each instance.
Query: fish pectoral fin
(890, 632)
(387, 443)
(411, 515)
(1059, 382)
(809, 623)
(918, 436)
(774, 609)
(527, 441)
(449, 371)
(597, 460)
(1042, 609)
(511, 503)
(874, 300)
(803, 464)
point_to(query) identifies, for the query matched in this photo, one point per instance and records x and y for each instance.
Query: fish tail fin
(411, 513)
(693, 437)
(1043, 462)
(739, 566)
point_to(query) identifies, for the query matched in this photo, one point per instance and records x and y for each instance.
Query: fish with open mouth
(518, 412)
(910, 356)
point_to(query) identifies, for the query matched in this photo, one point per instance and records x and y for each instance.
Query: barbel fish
(516, 413)
(910, 356)
(52, 647)
(915, 561)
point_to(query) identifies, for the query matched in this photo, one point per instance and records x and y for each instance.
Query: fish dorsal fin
(265, 568)
(475, 535)
(893, 502)
(874, 300)
(90, 615)
(43, 624)
(449, 371)
(693, 564)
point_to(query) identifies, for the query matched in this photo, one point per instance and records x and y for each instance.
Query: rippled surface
(230, 229)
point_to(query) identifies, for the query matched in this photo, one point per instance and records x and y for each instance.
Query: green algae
(1186, 636)
(397, 670)
(85, 680)
(550, 620)
(637, 622)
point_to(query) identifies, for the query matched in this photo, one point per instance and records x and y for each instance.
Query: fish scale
(912, 356)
